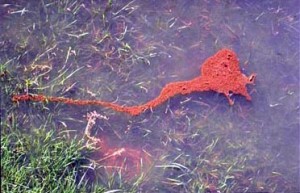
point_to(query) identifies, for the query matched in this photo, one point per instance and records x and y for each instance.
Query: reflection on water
(127, 51)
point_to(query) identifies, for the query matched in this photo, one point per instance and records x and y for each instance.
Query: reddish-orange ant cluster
(220, 73)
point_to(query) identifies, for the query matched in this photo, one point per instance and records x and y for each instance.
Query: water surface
(127, 51)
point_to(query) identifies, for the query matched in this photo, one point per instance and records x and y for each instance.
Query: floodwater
(126, 51)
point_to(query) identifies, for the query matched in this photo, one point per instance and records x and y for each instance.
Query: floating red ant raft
(220, 73)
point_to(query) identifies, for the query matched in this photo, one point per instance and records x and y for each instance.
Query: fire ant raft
(219, 73)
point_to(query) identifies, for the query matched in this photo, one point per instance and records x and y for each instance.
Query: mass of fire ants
(220, 73)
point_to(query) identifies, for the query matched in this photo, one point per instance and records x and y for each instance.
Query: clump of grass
(42, 162)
